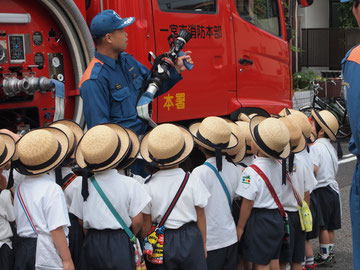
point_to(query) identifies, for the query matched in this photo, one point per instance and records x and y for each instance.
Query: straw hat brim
(189, 145)
(64, 142)
(194, 129)
(301, 146)
(323, 124)
(124, 148)
(256, 121)
(74, 128)
(241, 154)
(10, 146)
(135, 149)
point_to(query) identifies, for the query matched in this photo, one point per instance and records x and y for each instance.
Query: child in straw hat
(325, 158)
(213, 136)
(302, 120)
(165, 147)
(302, 181)
(40, 209)
(7, 150)
(261, 245)
(107, 245)
(70, 183)
(249, 155)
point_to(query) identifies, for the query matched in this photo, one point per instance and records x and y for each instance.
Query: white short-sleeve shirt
(325, 158)
(72, 188)
(162, 189)
(248, 160)
(253, 187)
(7, 215)
(305, 156)
(45, 201)
(127, 196)
(220, 225)
(303, 179)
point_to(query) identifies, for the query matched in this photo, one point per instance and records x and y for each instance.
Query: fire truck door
(262, 54)
(208, 87)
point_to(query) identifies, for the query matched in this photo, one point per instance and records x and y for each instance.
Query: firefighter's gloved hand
(142, 108)
(59, 88)
(145, 99)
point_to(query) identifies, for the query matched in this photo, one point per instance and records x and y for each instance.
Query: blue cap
(108, 21)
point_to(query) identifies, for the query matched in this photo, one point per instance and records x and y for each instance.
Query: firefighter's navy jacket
(110, 88)
(351, 73)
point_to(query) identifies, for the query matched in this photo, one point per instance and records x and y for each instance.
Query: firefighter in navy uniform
(351, 73)
(111, 83)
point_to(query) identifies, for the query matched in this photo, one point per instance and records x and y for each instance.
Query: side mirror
(305, 3)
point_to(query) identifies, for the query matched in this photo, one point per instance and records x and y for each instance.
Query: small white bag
(47, 256)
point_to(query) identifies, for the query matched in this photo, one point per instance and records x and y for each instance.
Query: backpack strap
(295, 192)
(176, 198)
(68, 180)
(221, 180)
(113, 210)
(271, 189)
(26, 211)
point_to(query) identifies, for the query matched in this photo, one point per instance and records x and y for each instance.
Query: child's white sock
(324, 251)
(309, 260)
(331, 248)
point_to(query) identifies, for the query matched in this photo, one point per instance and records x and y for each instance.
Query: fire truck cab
(240, 49)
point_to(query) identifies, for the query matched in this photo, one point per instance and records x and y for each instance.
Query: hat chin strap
(218, 147)
(167, 160)
(3, 155)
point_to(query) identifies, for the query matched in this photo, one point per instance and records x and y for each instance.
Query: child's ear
(321, 133)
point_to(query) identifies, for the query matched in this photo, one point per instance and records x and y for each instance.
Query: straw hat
(133, 152)
(7, 148)
(297, 139)
(245, 127)
(301, 119)
(69, 134)
(238, 152)
(41, 150)
(74, 127)
(271, 136)
(102, 147)
(166, 145)
(327, 121)
(213, 132)
(246, 118)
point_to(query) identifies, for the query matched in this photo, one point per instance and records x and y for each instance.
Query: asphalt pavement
(343, 240)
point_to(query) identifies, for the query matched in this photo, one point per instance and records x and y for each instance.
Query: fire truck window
(262, 13)
(189, 6)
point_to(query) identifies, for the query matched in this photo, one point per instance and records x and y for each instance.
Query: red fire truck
(240, 49)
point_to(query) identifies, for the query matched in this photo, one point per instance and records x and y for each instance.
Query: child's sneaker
(309, 267)
(321, 262)
(333, 257)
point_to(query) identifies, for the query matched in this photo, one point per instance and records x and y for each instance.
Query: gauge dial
(2, 53)
(55, 62)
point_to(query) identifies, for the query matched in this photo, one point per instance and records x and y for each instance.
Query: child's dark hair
(318, 128)
(356, 3)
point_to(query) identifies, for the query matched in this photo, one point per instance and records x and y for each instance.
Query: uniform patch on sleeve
(246, 181)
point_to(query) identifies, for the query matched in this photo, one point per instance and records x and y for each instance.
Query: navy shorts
(263, 236)
(6, 258)
(25, 254)
(183, 249)
(329, 204)
(223, 258)
(296, 252)
(315, 211)
(107, 250)
(76, 238)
